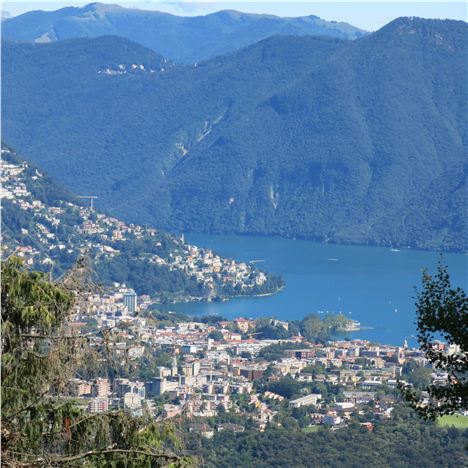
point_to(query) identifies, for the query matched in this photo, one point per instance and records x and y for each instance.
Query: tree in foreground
(442, 314)
(39, 355)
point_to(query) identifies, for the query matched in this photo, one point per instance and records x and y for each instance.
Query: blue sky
(368, 15)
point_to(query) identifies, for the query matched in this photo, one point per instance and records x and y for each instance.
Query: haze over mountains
(359, 141)
(180, 39)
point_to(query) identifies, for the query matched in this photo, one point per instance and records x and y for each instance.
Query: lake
(372, 285)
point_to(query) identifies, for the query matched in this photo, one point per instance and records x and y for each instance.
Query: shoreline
(259, 295)
(221, 299)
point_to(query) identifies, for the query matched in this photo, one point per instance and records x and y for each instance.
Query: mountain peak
(102, 6)
(413, 24)
(442, 33)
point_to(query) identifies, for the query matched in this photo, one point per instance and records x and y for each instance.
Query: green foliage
(442, 312)
(211, 319)
(291, 388)
(354, 446)
(216, 335)
(31, 306)
(275, 352)
(268, 331)
(314, 369)
(39, 427)
(286, 387)
(167, 318)
(420, 378)
(346, 142)
(313, 327)
(147, 278)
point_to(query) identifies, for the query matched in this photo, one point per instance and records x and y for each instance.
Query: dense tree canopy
(39, 355)
(442, 313)
(403, 442)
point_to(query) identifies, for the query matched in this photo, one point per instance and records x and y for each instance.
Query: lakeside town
(209, 367)
(48, 229)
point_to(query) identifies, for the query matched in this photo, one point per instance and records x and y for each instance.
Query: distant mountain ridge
(341, 141)
(180, 39)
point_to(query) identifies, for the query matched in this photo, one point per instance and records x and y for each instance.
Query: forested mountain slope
(344, 141)
(181, 39)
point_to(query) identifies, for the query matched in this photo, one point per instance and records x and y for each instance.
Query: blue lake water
(370, 284)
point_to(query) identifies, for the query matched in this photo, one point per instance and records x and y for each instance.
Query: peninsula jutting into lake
(373, 285)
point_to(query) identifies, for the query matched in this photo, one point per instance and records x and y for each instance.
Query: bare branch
(65, 460)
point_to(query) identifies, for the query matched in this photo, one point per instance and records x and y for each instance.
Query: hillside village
(49, 229)
(133, 68)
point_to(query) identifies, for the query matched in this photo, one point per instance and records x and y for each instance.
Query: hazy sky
(369, 15)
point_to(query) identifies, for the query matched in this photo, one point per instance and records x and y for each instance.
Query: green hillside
(341, 141)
